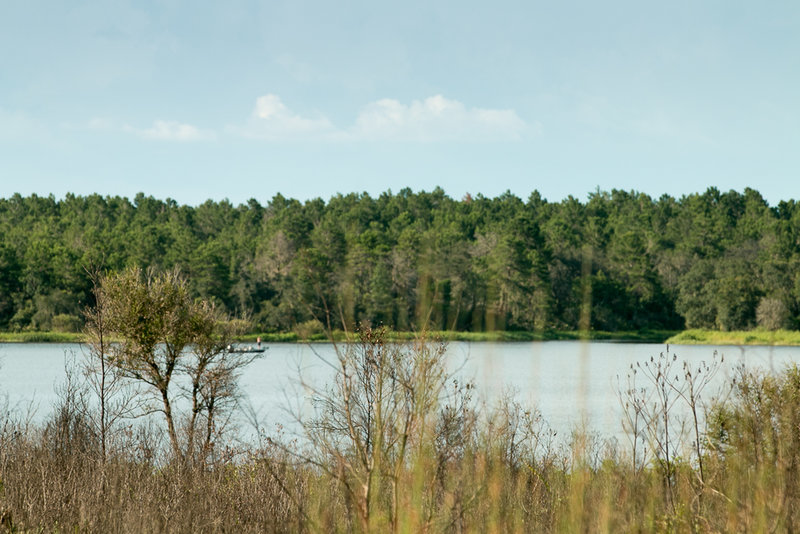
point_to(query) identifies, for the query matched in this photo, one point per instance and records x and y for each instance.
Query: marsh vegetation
(394, 443)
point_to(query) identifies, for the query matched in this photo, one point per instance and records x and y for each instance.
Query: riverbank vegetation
(621, 261)
(687, 337)
(394, 445)
(41, 337)
(300, 336)
(643, 336)
(737, 337)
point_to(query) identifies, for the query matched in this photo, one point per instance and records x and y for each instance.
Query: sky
(196, 100)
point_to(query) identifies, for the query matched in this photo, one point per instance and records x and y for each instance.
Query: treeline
(619, 261)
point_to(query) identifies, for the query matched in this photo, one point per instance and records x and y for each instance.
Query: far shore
(672, 337)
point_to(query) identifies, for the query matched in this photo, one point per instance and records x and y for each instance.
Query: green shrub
(309, 330)
(65, 322)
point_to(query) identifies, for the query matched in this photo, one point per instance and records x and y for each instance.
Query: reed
(433, 460)
(41, 337)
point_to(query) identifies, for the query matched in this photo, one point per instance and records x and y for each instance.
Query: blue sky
(237, 99)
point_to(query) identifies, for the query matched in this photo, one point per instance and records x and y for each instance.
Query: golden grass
(746, 337)
(486, 470)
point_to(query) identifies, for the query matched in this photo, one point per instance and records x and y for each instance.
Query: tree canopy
(618, 261)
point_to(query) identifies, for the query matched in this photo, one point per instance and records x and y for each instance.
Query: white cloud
(435, 119)
(273, 120)
(171, 131)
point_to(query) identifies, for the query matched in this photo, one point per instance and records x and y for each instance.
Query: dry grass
(465, 468)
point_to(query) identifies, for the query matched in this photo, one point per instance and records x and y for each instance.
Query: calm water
(564, 380)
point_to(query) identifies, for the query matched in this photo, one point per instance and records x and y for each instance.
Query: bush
(309, 329)
(65, 322)
(772, 314)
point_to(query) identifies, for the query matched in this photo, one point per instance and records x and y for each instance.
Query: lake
(565, 380)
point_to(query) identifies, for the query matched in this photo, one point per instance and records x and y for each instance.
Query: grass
(466, 467)
(41, 337)
(742, 337)
(687, 337)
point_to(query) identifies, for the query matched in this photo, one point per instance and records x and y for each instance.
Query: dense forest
(619, 261)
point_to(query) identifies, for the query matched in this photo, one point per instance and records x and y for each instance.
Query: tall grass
(743, 337)
(441, 463)
(41, 337)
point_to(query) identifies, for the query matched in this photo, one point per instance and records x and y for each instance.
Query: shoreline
(672, 337)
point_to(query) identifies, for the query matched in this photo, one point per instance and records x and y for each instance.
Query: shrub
(772, 314)
(309, 329)
(65, 322)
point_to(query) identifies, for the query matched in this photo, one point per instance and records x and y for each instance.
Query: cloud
(273, 120)
(435, 119)
(171, 131)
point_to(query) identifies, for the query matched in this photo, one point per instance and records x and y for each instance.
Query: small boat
(246, 349)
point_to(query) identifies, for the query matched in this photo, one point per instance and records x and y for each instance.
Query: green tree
(9, 283)
(164, 332)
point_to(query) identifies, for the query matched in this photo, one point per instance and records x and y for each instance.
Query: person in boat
(258, 342)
